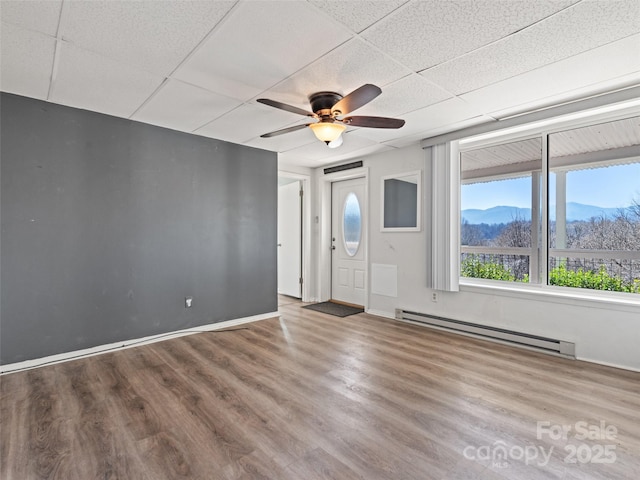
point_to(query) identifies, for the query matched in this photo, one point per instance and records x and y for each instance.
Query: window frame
(542, 129)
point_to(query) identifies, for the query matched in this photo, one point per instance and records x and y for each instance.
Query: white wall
(603, 332)
(284, 168)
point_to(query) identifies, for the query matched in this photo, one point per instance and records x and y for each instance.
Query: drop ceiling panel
(40, 16)
(318, 151)
(149, 35)
(358, 15)
(183, 107)
(259, 45)
(443, 113)
(26, 62)
(342, 70)
(203, 63)
(247, 122)
(570, 32)
(438, 130)
(313, 156)
(614, 65)
(89, 81)
(283, 143)
(426, 33)
(405, 95)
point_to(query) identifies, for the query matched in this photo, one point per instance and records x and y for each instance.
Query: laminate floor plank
(237, 423)
(308, 396)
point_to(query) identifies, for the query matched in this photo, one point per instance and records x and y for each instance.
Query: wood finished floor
(309, 396)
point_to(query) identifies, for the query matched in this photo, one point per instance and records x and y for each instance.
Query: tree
(471, 234)
(516, 234)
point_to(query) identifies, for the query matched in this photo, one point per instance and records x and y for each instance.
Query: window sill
(564, 295)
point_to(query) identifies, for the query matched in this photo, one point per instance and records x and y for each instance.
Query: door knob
(333, 247)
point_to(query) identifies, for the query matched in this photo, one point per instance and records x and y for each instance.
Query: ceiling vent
(341, 168)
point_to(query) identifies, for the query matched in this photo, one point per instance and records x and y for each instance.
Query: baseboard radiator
(509, 337)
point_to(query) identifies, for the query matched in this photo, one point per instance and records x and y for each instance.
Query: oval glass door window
(351, 224)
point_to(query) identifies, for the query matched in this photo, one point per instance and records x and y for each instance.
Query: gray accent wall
(108, 224)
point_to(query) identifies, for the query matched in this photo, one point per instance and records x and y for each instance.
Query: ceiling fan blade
(284, 130)
(356, 99)
(374, 122)
(284, 106)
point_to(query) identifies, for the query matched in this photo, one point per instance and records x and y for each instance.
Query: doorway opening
(294, 235)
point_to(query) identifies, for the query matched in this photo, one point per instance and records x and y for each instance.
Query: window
(351, 224)
(594, 206)
(500, 211)
(572, 221)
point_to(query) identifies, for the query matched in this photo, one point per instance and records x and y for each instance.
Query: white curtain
(443, 206)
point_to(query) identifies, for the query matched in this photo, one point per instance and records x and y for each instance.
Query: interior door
(290, 239)
(348, 267)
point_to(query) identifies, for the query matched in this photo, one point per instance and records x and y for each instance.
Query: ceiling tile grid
(199, 66)
(577, 29)
(37, 15)
(148, 35)
(286, 142)
(616, 66)
(342, 70)
(259, 45)
(405, 95)
(247, 122)
(427, 33)
(92, 82)
(358, 15)
(444, 113)
(27, 61)
(438, 129)
(182, 106)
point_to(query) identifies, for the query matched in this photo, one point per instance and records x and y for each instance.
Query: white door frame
(305, 183)
(324, 254)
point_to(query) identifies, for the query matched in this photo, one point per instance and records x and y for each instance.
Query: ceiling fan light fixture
(336, 143)
(327, 132)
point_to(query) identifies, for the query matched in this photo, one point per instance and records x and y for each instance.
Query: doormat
(336, 309)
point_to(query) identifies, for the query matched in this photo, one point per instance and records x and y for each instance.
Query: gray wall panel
(107, 224)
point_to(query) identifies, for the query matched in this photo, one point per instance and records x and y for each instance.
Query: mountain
(579, 211)
(507, 214)
(494, 215)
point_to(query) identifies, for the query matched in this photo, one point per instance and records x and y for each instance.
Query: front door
(348, 222)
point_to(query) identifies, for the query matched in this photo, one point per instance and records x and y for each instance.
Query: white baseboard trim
(380, 313)
(135, 342)
(608, 364)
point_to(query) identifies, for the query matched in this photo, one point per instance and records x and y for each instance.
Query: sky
(602, 187)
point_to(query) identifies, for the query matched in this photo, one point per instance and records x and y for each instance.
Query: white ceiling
(199, 66)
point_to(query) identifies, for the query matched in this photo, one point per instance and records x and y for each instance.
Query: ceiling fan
(330, 109)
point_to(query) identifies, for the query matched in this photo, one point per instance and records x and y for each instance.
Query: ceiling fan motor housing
(323, 101)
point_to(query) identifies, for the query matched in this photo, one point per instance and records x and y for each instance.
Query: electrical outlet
(188, 302)
(434, 296)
